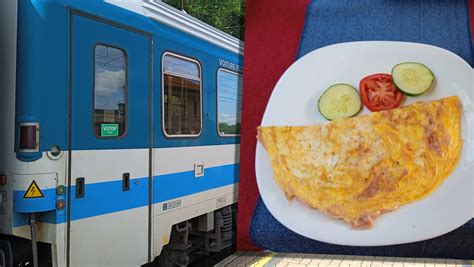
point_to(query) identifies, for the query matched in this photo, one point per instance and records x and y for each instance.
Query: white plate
(294, 102)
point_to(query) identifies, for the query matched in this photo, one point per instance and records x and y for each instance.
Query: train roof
(163, 13)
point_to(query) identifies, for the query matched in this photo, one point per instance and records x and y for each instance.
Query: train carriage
(120, 125)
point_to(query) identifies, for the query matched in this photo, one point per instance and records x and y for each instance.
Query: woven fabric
(266, 232)
(442, 23)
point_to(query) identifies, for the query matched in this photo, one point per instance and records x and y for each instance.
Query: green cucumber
(412, 78)
(339, 101)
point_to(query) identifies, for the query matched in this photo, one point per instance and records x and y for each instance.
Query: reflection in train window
(229, 102)
(181, 96)
(110, 91)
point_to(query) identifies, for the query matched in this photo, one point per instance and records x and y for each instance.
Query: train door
(110, 142)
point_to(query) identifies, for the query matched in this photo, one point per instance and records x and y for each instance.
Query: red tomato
(378, 92)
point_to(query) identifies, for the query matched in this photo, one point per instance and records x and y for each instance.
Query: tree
(225, 128)
(226, 15)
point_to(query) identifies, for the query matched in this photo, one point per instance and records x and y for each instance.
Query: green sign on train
(109, 129)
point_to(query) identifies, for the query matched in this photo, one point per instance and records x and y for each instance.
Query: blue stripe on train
(108, 197)
(171, 186)
(26, 205)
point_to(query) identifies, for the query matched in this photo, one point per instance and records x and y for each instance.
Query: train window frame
(217, 103)
(201, 81)
(124, 134)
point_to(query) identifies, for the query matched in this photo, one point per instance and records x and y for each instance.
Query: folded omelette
(356, 169)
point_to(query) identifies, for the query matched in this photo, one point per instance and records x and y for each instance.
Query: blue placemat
(443, 23)
(266, 232)
(436, 22)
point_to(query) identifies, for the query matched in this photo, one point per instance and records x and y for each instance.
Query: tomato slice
(378, 92)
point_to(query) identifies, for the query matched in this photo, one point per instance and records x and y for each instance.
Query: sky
(110, 77)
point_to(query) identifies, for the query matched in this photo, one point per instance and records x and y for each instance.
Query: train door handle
(80, 187)
(126, 181)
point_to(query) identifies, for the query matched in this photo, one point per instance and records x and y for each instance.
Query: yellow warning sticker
(33, 191)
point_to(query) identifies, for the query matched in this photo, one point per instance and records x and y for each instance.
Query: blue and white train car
(119, 132)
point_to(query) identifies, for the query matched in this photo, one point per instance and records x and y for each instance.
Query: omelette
(356, 169)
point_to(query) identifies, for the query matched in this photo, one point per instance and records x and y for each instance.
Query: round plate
(294, 102)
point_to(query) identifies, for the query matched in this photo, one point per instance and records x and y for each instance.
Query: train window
(181, 96)
(229, 102)
(110, 91)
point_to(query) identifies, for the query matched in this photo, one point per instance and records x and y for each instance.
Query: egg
(358, 168)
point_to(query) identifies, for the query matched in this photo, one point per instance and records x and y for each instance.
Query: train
(119, 134)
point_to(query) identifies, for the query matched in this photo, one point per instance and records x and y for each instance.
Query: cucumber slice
(412, 78)
(339, 101)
